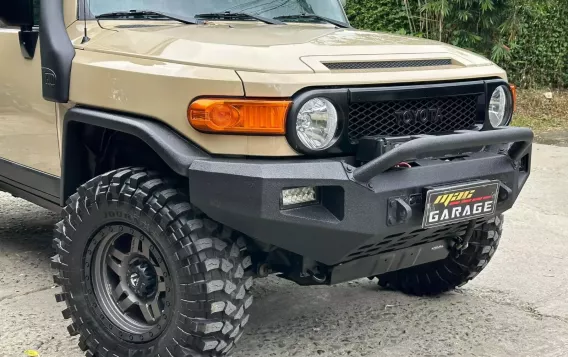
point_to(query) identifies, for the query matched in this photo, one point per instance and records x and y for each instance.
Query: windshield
(189, 8)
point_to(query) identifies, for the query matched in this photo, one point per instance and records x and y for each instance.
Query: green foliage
(378, 15)
(527, 37)
(539, 55)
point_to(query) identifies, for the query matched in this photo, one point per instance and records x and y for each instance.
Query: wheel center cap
(142, 279)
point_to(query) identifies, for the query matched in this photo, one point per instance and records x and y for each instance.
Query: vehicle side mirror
(17, 12)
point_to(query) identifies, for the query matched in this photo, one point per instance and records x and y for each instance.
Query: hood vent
(346, 66)
(137, 26)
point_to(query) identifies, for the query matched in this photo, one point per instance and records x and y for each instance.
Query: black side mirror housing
(17, 12)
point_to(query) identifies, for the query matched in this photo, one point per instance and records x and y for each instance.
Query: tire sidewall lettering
(111, 210)
(84, 299)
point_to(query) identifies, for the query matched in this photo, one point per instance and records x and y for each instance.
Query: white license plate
(458, 203)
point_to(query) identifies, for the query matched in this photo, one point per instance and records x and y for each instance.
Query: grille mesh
(342, 66)
(380, 119)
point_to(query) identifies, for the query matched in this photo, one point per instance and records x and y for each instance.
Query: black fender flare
(177, 152)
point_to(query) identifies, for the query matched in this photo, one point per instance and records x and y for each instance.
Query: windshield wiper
(227, 15)
(314, 17)
(146, 14)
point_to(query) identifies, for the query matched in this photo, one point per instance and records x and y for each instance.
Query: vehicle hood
(258, 47)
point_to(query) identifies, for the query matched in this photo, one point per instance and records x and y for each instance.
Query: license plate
(451, 204)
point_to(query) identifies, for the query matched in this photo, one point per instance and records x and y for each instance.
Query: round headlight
(500, 107)
(316, 124)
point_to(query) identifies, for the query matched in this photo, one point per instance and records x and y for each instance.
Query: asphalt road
(517, 307)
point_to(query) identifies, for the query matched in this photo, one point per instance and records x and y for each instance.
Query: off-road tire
(207, 263)
(447, 274)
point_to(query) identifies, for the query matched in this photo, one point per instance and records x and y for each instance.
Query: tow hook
(398, 211)
(318, 277)
(263, 270)
(463, 242)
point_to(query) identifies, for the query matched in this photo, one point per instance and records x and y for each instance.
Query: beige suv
(192, 146)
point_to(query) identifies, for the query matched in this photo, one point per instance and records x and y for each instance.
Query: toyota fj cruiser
(192, 146)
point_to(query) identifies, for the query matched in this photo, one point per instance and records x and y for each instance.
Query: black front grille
(381, 119)
(343, 66)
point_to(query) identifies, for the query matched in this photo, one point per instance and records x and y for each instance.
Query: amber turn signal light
(239, 116)
(514, 93)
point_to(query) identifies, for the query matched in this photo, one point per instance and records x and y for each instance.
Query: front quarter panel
(163, 91)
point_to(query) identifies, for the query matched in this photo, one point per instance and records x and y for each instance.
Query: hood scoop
(353, 66)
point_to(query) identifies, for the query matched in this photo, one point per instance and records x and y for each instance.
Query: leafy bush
(527, 37)
(378, 15)
(539, 55)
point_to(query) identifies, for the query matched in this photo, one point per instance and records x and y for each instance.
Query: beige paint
(276, 85)
(156, 68)
(257, 47)
(28, 132)
(162, 90)
(69, 11)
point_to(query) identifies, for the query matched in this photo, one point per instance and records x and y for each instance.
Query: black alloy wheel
(130, 280)
(145, 274)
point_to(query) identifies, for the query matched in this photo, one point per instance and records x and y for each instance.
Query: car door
(29, 152)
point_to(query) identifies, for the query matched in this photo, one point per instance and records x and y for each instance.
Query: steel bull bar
(429, 146)
(424, 147)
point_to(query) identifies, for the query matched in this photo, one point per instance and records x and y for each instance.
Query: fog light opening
(299, 196)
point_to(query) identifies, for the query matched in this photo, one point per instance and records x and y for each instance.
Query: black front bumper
(353, 213)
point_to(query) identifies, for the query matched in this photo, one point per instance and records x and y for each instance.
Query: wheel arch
(144, 135)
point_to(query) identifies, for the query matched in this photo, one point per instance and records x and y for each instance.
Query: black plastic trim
(177, 152)
(57, 52)
(28, 41)
(29, 195)
(359, 95)
(339, 98)
(490, 87)
(29, 177)
(35, 186)
(342, 97)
